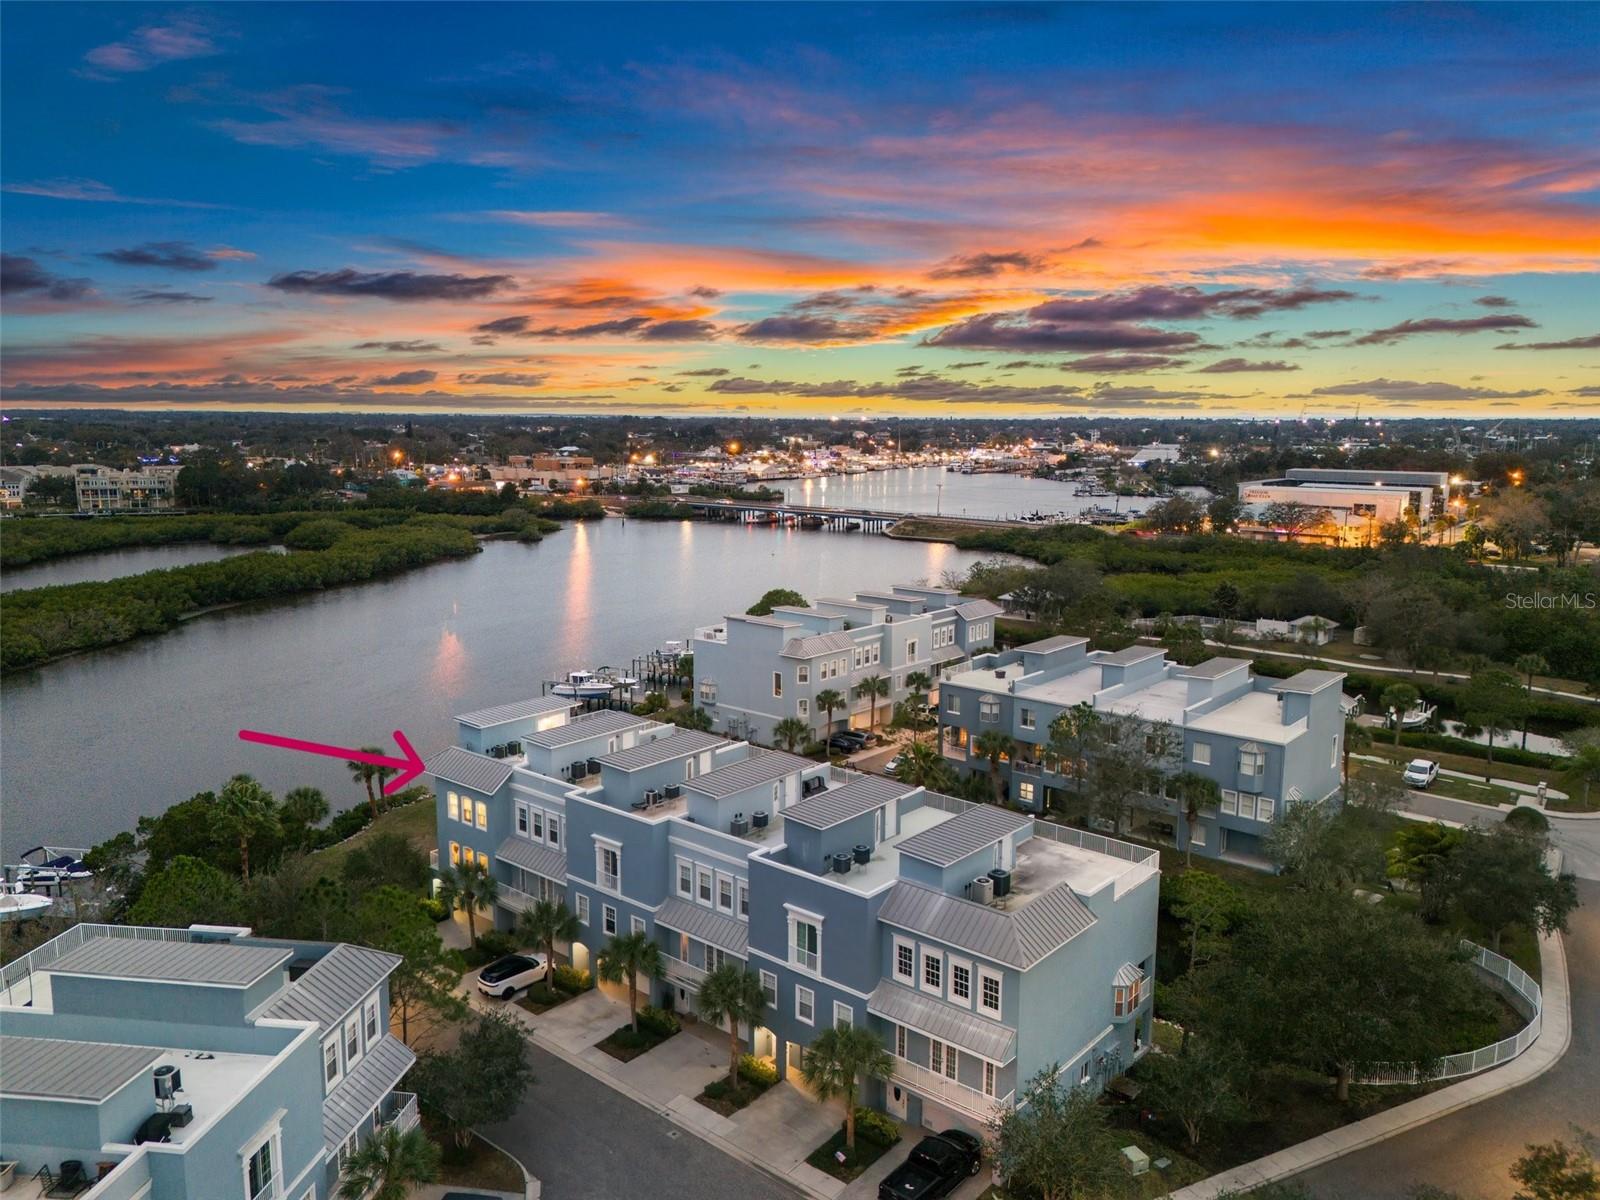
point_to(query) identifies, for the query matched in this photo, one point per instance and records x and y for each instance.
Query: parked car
(1420, 772)
(935, 1167)
(510, 974)
(892, 767)
(847, 742)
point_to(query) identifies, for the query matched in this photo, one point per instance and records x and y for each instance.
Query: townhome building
(980, 944)
(195, 1064)
(752, 672)
(1266, 743)
(104, 489)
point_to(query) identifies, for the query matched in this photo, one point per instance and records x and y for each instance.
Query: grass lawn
(1471, 790)
(476, 1165)
(725, 1100)
(866, 1153)
(624, 1045)
(415, 821)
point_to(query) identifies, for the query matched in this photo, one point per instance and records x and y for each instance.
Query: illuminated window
(452, 806)
(483, 815)
(455, 853)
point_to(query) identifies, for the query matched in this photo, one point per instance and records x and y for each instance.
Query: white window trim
(685, 884)
(726, 880)
(581, 902)
(951, 963)
(635, 924)
(741, 904)
(929, 954)
(894, 964)
(800, 915)
(608, 920)
(372, 1024)
(847, 1011)
(271, 1135)
(984, 973)
(1200, 754)
(352, 1035)
(799, 990)
(769, 987)
(332, 1043)
(483, 814)
(452, 806)
(708, 897)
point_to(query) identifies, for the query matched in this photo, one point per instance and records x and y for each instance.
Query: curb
(1336, 1143)
(531, 1187)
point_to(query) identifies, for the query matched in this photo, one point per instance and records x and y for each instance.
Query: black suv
(936, 1166)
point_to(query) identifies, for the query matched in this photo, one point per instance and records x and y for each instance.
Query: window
(538, 824)
(899, 1041)
(988, 992)
(330, 1062)
(455, 853)
(960, 982)
(483, 815)
(725, 893)
(635, 924)
(583, 909)
(1252, 762)
(932, 971)
(1230, 801)
(1201, 754)
(989, 1074)
(1264, 808)
(952, 705)
(261, 1177)
(685, 878)
(843, 1015)
(553, 829)
(1083, 1072)
(1025, 718)
(371, 1014)
(769, 987)
(802, 708)
(802, 674)
(608, 866)
(1197, 834)
(1025, 791)
(483, 861)
(911, 651)
(744, 900)
(777, 683)
(942, 1058)
(705, 885)
(806, 945)
(805, 1005)
(708, 691)
(608, 919)
(988, 710)
(522, 819)
(905, 961)
(352, 1041)
(452, 806)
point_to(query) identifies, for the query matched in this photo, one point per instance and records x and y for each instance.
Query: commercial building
(195, 1064)
(1266, 743)
(752, 672)
(104, 489)
(980, 944)
(1358, 503)
(1156, 452)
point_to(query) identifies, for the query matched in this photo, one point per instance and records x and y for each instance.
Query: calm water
(91, 743)
(114, 564)
(933, 489)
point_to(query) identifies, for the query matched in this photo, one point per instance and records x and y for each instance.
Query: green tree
(789, 732)
(186, 892)
(829, 701)
(993, 745)
(545, 924)
(326, 902)
(921, 765)
(872, 688)
(1202, 1087)
(1194, 794)
(1127, 763)
(1494, 702)
(1528, 666)
(837, 1060)
(422, 988)
(626, 957)
(1583, 764)
(693, 718)
(1557, 1171)
(480, 1082)
(920, 684)
(1500, 878)
(732, 995)
(1396, 701)
(246, 810)
(1176, 514)
(776, 598)
(469, 888)
(1072, 736)
(1205, 907)
(302, 810)
(1056, 1144)
(1421, 855)
(1322, 848)
(388, 1165)
(385, 859)
(1356, 737)
(1224, 513)
(366, 773)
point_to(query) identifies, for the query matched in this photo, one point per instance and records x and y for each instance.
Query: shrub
(757, 1071)
(436, 908)
(571, 979)
(1528, 819)
(495, 944)
(876, 1128)
(658, 1021)
(348, 823)
(316, 535)
(1445, 744)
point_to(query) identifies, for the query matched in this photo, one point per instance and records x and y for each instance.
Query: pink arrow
(408, 767)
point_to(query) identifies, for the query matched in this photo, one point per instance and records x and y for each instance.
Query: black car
(846, 743)
(936, 1167)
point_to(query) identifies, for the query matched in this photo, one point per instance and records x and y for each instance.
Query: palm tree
(733, 994)
(389, 1164)
(626, 957)
(467, 888)
(836, 1060)
(871, 688)
(1583, 767)
(1529, 665)
(364, 773)
(994, 745)
(303, 809)
(789, 731)
(828, 701)
(247, 811)
(920, 683)
(1194, 792)
(545, 924)
(921, 766)
(1356, 736)
(1399, 699)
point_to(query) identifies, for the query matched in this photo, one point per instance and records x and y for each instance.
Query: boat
(47, 868)
(21, 905)
(811, 521)
(593, 685)
(1090, 489)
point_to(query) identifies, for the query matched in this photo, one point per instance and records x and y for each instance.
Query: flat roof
(1129, 655)
(1162, 700)
(211, 964)
(1255, 716)
(488, 718)
(1214, 668)
(57, 1069)
(1051, 644)
(1309, 681)
(1076, 687)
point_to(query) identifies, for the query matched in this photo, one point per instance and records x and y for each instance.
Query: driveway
(584, 1141)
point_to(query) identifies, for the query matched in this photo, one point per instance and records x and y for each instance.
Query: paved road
(586, 1142)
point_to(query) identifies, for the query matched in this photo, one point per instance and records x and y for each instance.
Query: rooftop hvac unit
(981, 889)
(594, 766)
(168, 1081)
(674, 790)
(841, 864)
(1002, 881)
(738, 826)
(513, 748)
(863, 853)
(579, 769)
(760, 818)
(651, 796)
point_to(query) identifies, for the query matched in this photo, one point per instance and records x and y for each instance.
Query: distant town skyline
(940, 210)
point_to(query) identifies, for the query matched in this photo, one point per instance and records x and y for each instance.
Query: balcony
(679, 971)
(515, 899)
(400, 1110)
(947, 1091)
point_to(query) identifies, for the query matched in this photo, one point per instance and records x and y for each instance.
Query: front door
(897, 1102)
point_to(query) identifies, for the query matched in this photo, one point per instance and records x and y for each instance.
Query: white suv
(1419, 773)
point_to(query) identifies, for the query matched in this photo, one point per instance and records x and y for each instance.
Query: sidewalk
(1551, 1044)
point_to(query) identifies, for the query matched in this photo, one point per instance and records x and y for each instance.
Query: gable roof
(837, 805)
(1018, 938)
(761, 767)
(974, 610)
(335, 984)
(817, 643)
(948, 842)
(212, 964)
(487, 718)
(466, 769)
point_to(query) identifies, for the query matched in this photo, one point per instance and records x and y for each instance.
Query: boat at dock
(594, 685)
(47, 870)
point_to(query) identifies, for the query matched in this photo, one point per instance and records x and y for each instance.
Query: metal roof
(726, 933)
(213, 964)
(487, 718)
(610, 720)
(676, 745)
(54, 1069)
(1050, 644)
(817, 643)
(974, 610)
(974, 1034)
(362, 1088)
(1129, 655)
(829, 808)
(1127, 975)
(335, 984)
(1018, 938)
(466, 769)
(948, 842)
(1308, 681)
(1214, 668)
(757, 769)
(531, 856)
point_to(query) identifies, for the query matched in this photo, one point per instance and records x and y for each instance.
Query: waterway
(933, 490)
(114, 564)
(91, 743)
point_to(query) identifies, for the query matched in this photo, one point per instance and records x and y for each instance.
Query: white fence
(1523, 994)
(16, 974)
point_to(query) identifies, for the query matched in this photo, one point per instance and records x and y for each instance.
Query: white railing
(515, 899)
(1523, 994)
(433, 858)
(1096, 842)
(681, 971)
(20, 970)
(952, 1092)
(407, 1115)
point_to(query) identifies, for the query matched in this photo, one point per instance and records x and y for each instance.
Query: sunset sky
(944, 210)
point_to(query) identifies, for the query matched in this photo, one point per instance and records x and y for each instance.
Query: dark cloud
(22, 276)
(403, 379)
(1394, 333)
(1586, 391)
(1024, 331)
(965, 366)
(1271, 341)
(416, 346)
(170, 256)
(399, 286)
(507, 325)
(982, 266)
(799, 329)
(705, 293)
(1099, 364)
(1412, 269)
(679, 331)
(1588, 342)
(1161, 303)
(615, 328)
(165, 297)
(1230, 366)
(234, 392)
(932, 389)
(1324, 334)
(1495, 302)
(1405, 389)
(643, 328)
(505, 379)
(1019, 364)
(708, 372)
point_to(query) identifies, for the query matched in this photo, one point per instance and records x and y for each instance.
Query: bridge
(814, 516)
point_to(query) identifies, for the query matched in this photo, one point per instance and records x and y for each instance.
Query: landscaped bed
(627, 1043)
(725, 1098)
(475, 1165)
(542, 998)
(824, 1157)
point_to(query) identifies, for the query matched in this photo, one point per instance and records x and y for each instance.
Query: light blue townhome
(752, 672)
(1266, 743)
(195, 1064)
(981, 944)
